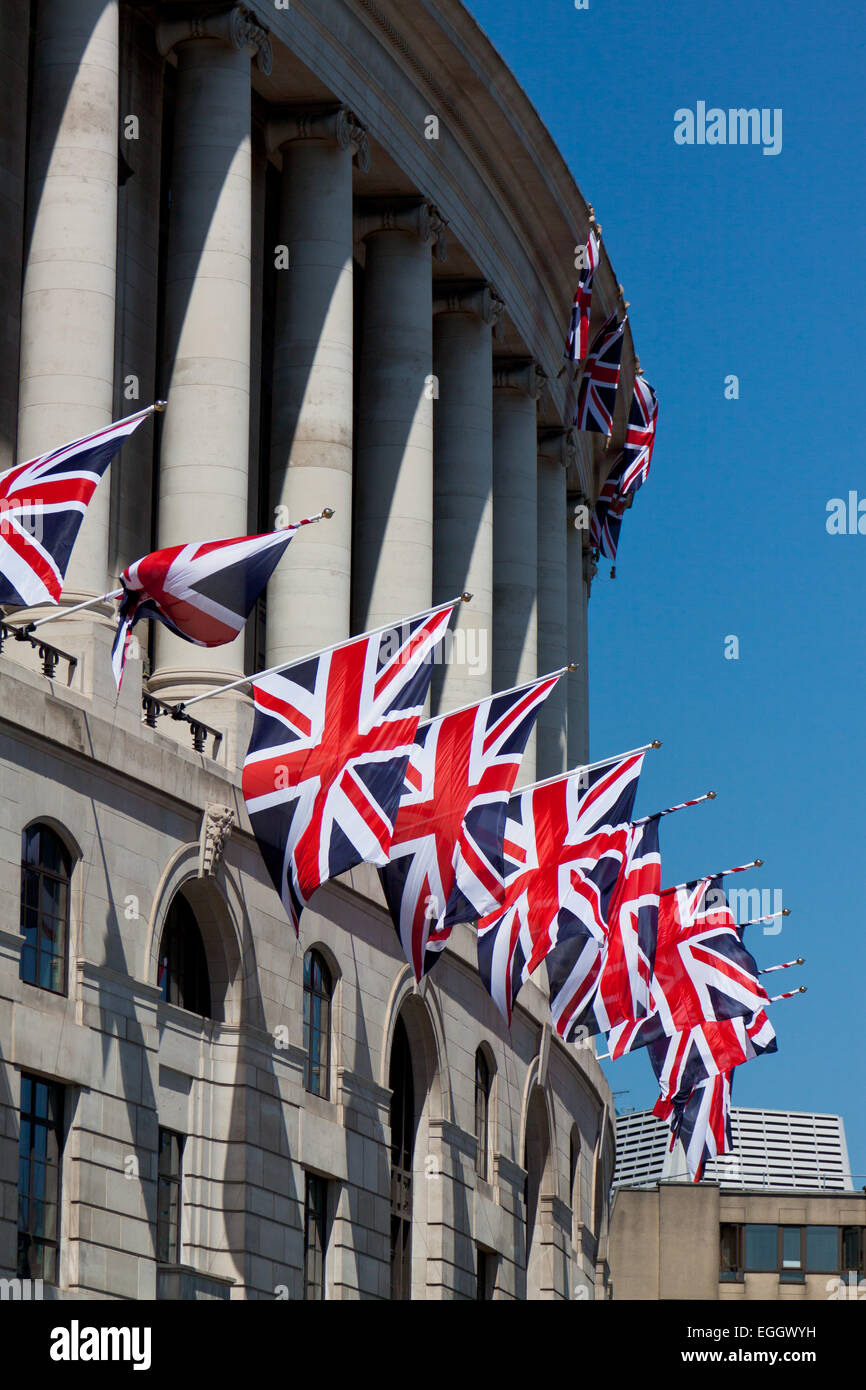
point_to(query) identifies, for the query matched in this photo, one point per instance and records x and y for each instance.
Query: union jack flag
(617, 986)
(331, 741)
(563, 850)
(460, 774)
(702, 1122)
(204, 591)
(42, 506)
(578, 332)
(640, 436)
(597, 396)
(703, 978)
(606, 521)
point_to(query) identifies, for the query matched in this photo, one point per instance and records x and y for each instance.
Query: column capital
(237, 26)
(520, 374)
(559, 442)
(336, 124)
(413, 215)
(468, 297)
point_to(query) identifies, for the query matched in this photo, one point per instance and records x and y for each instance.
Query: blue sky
(735, 262)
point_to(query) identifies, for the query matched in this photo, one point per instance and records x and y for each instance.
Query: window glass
(730, 1252)
(761, 1248)
(318, 988)
(40, 1144)
(822, 1248)
(46, 867)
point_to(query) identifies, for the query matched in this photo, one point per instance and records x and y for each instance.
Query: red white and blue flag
(452, 816)
(327, 760)
(702, 1122)
(597, 396)
(577, 341)
(42, 506)
(203, 591)
(616, 988)
(707, 1012)
(640, 436)
(606, 521)
(563, 851)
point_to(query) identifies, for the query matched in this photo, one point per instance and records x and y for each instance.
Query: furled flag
(463, 761)
(563, 851)
(42, 506)
(597, 396)
(703, 978)
(617, 989)
(327, 760)
(606, 521)
(578, 332)
(702, 1122)
(204, 591)
(640, 436)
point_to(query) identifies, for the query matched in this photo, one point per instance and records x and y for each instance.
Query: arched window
(46, 869)
(402, 1087)
(482, 1113)
(318, 988)
(183, 973)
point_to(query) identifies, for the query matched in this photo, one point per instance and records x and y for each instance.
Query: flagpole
(789, 994)
(786, 965)
(707, 796)
(588, 767)
(76, 608)
(739, 869)
(770, 917)
(525, 685)
(272, 670)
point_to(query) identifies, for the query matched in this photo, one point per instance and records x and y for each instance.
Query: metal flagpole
(525, 685)
(789, 994)
(786, 965)
(707, 796)
(739, 869)
(770, 917)
(272, 670)
(76, 608)
(588, 767)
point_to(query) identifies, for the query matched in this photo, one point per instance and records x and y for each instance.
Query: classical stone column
(67, 306)
(203, 473)
(580, 572)
(14, 56)
(394, 478)
(515, 540)
(313, 389)
(553, 598)
(463, 485)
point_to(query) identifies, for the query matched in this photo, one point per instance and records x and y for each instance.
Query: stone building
(337, 238)
(779, 1217)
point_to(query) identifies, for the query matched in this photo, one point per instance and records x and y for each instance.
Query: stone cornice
(340, 126)
(237, 26)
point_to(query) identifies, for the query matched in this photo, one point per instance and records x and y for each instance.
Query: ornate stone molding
(523, 374)
(340, 126)
(560, 443)
(419, 217)
(463, 297)
(237, 26)
(216, 827)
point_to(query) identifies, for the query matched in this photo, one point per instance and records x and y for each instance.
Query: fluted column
(580, 573)
(394, 480)
(463, 485)
(515, 540)
(68, 300)
(313, 392)
(553, 452)
(203, 473)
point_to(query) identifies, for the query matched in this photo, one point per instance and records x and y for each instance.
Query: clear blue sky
(736, 262)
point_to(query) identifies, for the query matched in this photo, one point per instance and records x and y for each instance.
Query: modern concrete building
(778, 1218)
(337, 238)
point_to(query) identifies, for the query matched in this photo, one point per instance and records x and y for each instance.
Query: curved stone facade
(344, 250)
